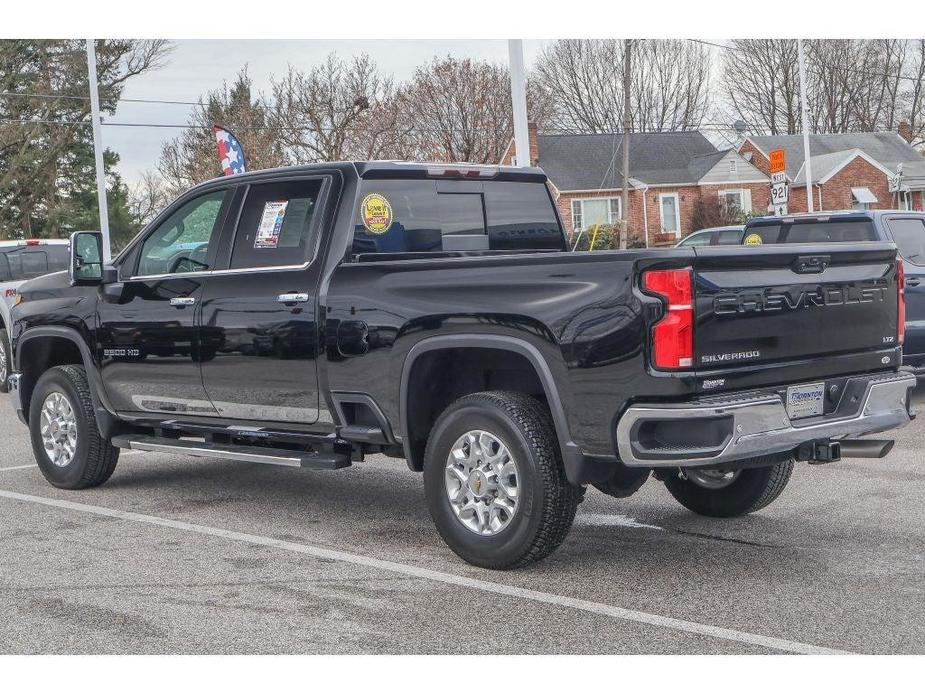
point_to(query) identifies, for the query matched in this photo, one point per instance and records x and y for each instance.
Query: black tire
(94, 457)
(4, 361)
(751, 491)
(546, 500)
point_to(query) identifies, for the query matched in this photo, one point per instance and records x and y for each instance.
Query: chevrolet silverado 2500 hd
(309, 316)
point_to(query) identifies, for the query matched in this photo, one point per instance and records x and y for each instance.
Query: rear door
(778, 303)
(259, 322)
(908, 231)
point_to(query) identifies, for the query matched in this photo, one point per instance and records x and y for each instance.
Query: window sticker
(270, 224)
(753, 240)
(377, 213)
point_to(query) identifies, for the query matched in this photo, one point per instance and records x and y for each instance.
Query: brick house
(669, 173)
(849, 170)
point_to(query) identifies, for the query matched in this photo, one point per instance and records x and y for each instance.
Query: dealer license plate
(805, 401)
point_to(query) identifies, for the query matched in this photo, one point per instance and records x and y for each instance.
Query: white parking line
(442, 577)
(18, 467)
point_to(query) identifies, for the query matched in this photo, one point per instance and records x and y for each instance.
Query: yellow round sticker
(753, 240)
(377, 213)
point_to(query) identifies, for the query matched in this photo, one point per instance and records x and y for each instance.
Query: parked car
(714, 236)
(906, 229)
(434, 313)
(20, 261)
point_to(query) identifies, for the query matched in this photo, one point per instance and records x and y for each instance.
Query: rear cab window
(813, 231)
(399, 216)
(26, 262)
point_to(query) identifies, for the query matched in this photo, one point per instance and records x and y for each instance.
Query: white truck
(21, 261)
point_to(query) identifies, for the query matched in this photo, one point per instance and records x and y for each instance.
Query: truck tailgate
(777, 303)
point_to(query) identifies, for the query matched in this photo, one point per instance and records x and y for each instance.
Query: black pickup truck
(312, 315)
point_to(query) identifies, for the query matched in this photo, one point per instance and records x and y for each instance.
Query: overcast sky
(197, 66)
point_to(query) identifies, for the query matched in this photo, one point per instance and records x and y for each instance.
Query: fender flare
(106, 422)
(572, 456)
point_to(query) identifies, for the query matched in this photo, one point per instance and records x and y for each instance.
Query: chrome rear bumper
(749, 426)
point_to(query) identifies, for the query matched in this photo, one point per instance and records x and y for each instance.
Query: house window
(738, 200)
(733, 166)
(590, 212)
(670, 213)
(862, 198)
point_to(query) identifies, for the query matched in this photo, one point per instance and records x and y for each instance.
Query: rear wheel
(4, 361)
(729, 493)
(495, 483)
(65, 439)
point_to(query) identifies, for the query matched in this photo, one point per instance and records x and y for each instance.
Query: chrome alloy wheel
(59, 429)
(482, 483)
(711, 479)
(2, 362)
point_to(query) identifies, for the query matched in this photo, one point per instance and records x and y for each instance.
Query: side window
(729, 237)
(34, 263)
(277, 225)
(909, 235)
(522, 216)
(58, 257)
(397, 216)
(701, 238)
(181, 242)
(411, 216)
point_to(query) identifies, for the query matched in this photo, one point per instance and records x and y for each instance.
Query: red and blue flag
(230, 151)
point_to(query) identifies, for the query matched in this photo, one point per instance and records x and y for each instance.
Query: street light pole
(98, 149)
(804, 109)
(519, 102)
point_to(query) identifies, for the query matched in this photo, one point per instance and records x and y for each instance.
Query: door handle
(183, 301)
(913, 281)
(294, 298)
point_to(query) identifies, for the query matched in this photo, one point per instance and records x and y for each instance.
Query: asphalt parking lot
(183, 555)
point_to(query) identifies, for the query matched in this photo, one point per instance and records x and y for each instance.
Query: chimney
(534, 147)
(905, 130)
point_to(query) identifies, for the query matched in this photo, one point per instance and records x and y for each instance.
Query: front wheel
(65, 439)
(495, 483)
(729, 493)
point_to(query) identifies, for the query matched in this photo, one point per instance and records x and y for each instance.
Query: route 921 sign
(780, 192)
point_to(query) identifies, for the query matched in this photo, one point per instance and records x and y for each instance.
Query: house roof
(593, 162)
(887, 148)
(827, 165)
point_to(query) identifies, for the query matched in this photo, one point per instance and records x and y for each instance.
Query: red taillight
(673, 335)
(901, 303)
(33, 242)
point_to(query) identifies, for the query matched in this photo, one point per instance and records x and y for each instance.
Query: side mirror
(86, 262)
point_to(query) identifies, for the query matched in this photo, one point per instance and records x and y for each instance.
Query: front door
(259, 326)
(148, 323)
(909, 236)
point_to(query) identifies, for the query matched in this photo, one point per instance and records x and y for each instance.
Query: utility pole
(804, 111)
(627, 124)
(98, 150)
(519, 102)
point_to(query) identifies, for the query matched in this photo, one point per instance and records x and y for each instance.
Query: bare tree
(583, 78)
(853, 85)
(337, 110)
(192, 157)
(458, 110)
(148, 197)
(762, 84)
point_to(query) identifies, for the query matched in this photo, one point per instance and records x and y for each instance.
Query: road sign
(780, 210)
(779, 177)
(779, 194)
(778, 161)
